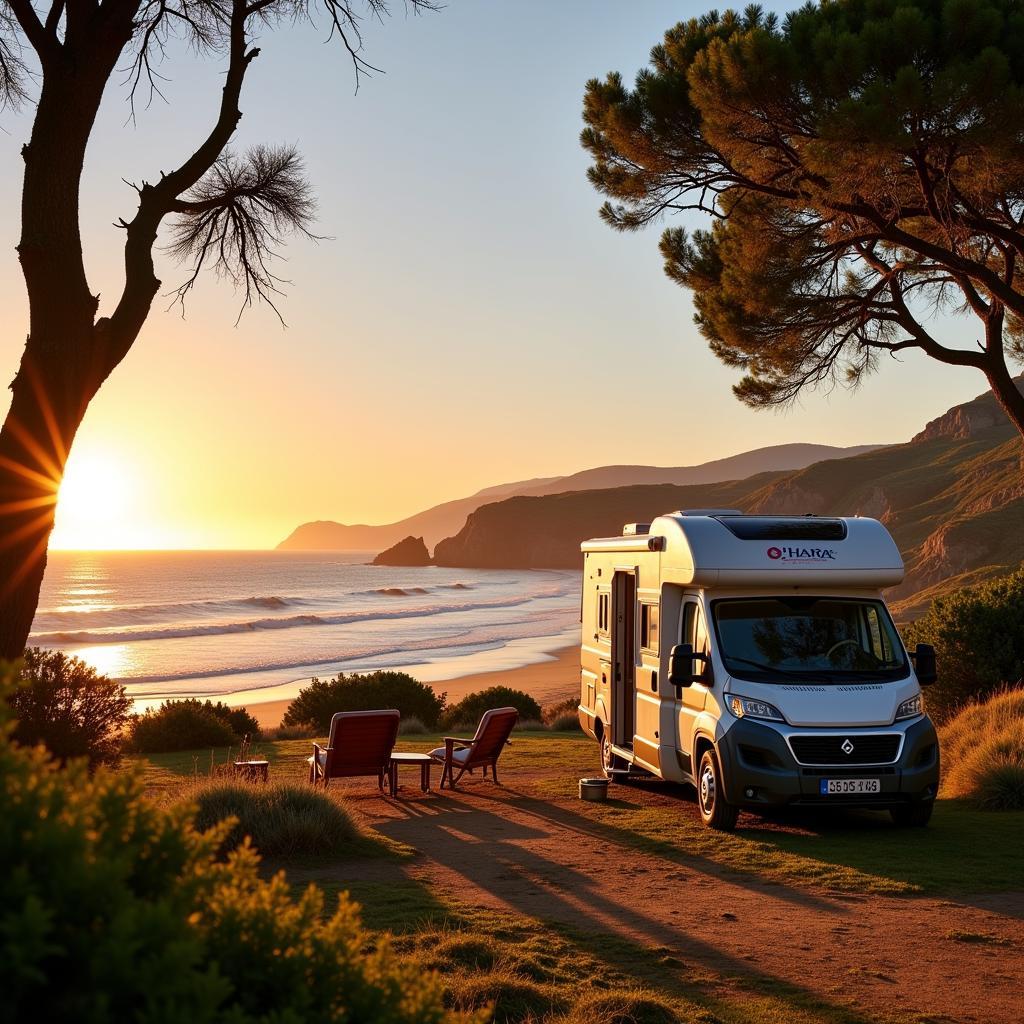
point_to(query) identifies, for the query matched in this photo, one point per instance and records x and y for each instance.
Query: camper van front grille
(881, 748)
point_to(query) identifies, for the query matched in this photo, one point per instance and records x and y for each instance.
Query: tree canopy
(862, 163)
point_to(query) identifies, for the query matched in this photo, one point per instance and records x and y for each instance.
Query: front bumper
(759, 769)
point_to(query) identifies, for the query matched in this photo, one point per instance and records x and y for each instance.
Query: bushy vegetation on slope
(983, 753)
(115, 909)
(978, 634)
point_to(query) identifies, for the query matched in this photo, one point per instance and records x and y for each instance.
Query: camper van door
(623, 656)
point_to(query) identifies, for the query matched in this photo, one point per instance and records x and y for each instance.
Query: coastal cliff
(545, 532)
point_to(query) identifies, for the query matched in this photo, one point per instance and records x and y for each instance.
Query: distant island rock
(410, 551)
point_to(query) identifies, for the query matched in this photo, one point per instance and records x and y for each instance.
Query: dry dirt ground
(506, 847)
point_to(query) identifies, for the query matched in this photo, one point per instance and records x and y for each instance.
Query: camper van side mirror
(681, 665)
(924, 664)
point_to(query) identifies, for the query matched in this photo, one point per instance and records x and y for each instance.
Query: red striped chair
(482, 751)
(360, 743)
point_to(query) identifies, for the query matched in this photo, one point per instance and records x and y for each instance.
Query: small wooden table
(423, 760)
(253, 770)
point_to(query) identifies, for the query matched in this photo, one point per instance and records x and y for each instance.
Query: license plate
(848, 787)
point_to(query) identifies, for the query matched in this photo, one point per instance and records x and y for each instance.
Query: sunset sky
(468, 320)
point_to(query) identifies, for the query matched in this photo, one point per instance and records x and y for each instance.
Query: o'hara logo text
(793, 554)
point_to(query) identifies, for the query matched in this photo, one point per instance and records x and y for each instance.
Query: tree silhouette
(863, 166)
(229, 212)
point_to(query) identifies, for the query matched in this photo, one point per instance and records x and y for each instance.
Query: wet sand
(548, 681)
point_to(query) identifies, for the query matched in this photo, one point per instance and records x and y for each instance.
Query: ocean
(240, 626)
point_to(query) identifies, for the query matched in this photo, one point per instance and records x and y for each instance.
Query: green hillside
(953, 498)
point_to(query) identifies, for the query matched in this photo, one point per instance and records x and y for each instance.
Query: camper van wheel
(715, 811)
(611, 764)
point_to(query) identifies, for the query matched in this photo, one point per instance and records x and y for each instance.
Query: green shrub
(411, 726)
(114, 909)
(69, 707)
(281, 819)
(189, 725)
(241, 723)
(978, 635)
(317, 703)
(983, 753)
(468, 712)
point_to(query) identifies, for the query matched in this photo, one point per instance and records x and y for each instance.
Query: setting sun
(95, 503)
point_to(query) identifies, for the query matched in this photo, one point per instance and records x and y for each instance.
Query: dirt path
(503, 848)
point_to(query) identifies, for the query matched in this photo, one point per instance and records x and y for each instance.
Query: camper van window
(826, 639)
(687, 622)
(693, 631)
(649, 627)
(602, 613)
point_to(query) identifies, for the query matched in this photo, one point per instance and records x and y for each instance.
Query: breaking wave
(179, 631)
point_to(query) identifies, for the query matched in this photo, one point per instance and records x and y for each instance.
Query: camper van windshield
(827, 638)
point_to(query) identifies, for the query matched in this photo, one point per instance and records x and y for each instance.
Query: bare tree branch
(235, 219)
(45, 45)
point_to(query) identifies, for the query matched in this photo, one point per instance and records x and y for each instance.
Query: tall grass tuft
(507, 997)
(629, 1006)
(983, 753)
(291, 732)
(411, 726)
(563, 716)
(282, 819)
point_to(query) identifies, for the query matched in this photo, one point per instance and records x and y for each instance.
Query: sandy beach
(548, 681)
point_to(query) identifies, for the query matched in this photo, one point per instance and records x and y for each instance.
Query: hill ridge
(446, 519)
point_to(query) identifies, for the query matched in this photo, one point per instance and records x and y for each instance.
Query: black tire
(915, 815)
(715, 811)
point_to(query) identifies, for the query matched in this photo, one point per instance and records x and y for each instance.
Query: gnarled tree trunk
(65, 359)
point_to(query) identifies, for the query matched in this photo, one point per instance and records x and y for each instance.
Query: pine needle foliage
(862, 166)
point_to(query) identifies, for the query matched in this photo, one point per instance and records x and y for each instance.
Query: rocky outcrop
(411, 551)
(968, 420)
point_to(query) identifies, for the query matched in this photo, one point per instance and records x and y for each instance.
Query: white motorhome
(754, 657)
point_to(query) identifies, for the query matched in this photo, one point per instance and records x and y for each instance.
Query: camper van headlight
(911, 707)
(745, 707)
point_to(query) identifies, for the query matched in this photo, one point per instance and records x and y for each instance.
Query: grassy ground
(528, 970)
(852, 853)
